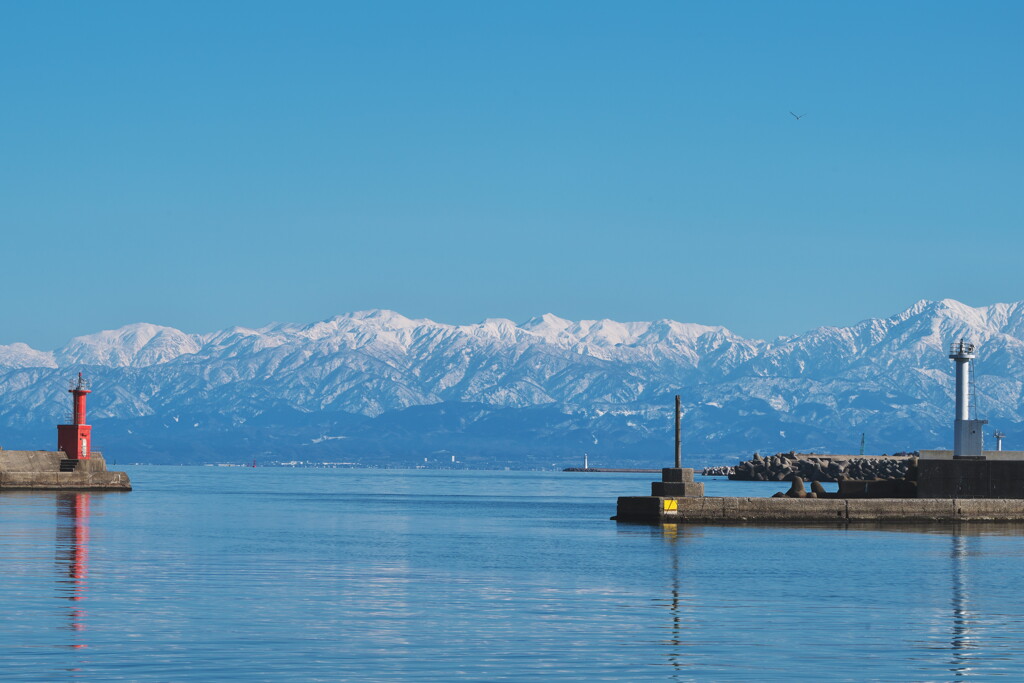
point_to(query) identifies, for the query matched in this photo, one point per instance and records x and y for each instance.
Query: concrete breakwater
(811, 467)
(648, 509)
(47, 470)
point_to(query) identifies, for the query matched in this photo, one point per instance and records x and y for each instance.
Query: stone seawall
(809, 467)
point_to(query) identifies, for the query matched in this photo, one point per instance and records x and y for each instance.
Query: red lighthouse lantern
(76, 439)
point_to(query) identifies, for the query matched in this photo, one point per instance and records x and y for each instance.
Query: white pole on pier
(679, 447)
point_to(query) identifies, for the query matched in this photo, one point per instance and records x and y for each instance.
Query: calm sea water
(205, 574)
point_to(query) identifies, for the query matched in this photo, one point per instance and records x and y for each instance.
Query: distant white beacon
(967, 433)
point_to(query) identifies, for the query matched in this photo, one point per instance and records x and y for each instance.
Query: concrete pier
(953, 490)
(53, 470)
(967, 484)
(662, 510)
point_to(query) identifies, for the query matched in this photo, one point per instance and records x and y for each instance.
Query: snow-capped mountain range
(375, 386)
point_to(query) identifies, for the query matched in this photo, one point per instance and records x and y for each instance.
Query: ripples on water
(269, 574)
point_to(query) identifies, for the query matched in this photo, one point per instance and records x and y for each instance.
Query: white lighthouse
(967, 434)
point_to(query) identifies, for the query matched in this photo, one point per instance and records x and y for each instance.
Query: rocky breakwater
(810, 467)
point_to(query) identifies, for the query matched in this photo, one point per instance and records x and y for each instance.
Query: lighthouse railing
(961, 347)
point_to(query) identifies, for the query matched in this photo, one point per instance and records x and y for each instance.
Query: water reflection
(681, 604)
(72, 557)
(962, 640)
(972, 528)
(966, 638)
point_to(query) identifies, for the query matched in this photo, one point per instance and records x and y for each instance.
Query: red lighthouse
(75, 439)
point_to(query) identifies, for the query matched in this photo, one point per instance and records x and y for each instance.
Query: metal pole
(678, 440)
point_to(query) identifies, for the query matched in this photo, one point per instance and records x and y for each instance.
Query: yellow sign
(670, 504)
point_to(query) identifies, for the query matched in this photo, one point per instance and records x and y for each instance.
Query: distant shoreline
(605, 469)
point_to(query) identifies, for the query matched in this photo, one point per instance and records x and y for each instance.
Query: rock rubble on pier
(810, 467)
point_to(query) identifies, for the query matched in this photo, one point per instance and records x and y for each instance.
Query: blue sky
(202, 165)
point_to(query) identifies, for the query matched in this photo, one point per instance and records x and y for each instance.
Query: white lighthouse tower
(967, 434)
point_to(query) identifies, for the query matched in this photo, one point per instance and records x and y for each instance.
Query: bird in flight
(798, 116)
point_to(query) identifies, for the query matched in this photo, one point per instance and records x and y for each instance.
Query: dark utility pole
(678, 440)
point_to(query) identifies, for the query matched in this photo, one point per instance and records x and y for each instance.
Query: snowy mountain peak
(390, 335)
(385, 319)
(135, 345)
(19, 355)
(606, 379)
(548, 326)
(497, 328)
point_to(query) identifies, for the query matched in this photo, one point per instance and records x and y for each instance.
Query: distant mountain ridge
(377, 387)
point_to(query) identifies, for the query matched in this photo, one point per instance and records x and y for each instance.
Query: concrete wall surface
(47, 461)
(80, 481)
(989, 455)
(30, 461)
(724, 510)
(639, 509)
(762, 509)
(95, 463)
(970, 479)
